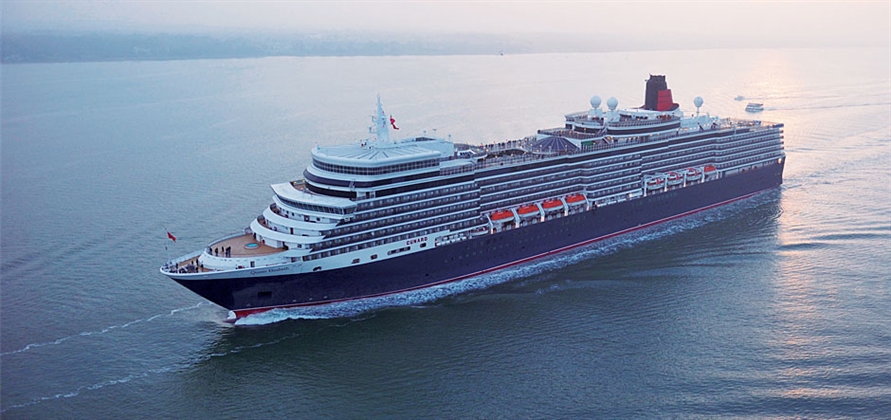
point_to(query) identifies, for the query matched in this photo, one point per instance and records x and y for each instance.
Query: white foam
(102, 331)
(134, 376)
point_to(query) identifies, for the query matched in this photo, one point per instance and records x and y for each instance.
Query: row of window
(455, 170)
(608, 161)
(666, 167)
(676, 153)
(626, 180)
(354, 227)
(380, 170)
(550, 192)
(454, 226)
(774, 145)
(684, 161)
(521, 184)
(610, 168)
(596, 179)
(548, 188)
(297, 216)
(394, 229)
(430, 185)
(616, 190)
(749, 151)
(315, 207)
(499, 180)
(749, 140)
(759, 157)
(402, 217)
(421, 196)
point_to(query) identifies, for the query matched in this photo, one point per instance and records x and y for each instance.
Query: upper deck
(603, 143)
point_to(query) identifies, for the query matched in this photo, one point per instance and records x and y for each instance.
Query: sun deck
(240, 246)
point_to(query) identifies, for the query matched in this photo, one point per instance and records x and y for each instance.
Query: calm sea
(775, 307)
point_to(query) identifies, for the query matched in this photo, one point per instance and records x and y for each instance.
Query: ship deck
(241, 246)
(244, 246)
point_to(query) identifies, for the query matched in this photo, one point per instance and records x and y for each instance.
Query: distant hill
(74, 47)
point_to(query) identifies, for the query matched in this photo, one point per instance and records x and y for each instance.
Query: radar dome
(595, 101)
(697, 101)
(612, 103)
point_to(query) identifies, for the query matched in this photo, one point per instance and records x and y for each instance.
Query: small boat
(575, 199)
(739, 98)
(754, 107)
(552, 204)
(528, 210)
(502, 215)
(693, 174)
(675, 178)
(709, 170)
(655, 183)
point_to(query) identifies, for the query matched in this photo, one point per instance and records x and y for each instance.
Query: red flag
(170, 235)
(393, 122)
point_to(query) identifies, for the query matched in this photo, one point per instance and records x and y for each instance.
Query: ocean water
(774, 307)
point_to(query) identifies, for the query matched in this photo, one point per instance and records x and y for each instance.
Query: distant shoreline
(57, 47)
(103, 47)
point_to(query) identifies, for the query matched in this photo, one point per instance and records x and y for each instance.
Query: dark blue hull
(486, 253)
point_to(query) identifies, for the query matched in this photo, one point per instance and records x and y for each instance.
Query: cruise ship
(384, 216)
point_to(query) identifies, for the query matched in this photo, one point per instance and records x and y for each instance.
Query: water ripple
(102, 331)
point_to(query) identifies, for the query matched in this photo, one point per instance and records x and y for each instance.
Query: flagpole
(167, 251)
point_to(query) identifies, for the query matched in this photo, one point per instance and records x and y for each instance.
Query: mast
(382, 132)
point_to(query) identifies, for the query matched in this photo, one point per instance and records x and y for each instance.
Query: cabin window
(373, 256)
(355, 261)
(317, 269)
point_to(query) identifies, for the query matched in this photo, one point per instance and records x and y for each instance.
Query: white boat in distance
(754, 107)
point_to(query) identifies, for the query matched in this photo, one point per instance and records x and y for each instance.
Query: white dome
(612, 103)
(697, 101)
(595, 101)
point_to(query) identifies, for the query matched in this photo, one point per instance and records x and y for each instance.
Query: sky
(817, 23)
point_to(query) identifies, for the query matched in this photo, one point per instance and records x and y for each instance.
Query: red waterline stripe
(241, 313)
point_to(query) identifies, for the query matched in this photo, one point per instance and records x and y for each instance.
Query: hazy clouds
(812, 23)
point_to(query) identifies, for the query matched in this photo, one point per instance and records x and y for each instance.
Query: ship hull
(443, 264)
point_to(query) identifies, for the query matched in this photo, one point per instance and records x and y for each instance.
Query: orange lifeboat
(709, 169)
(551, 204)
(501, 215)
(575, 199)
(527, 210)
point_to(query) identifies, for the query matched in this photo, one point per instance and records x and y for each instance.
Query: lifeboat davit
(693, 174)
(552, 204)
(501, 215)
(528, 210)
(655, 183)
(575, 199)
(675, 178)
